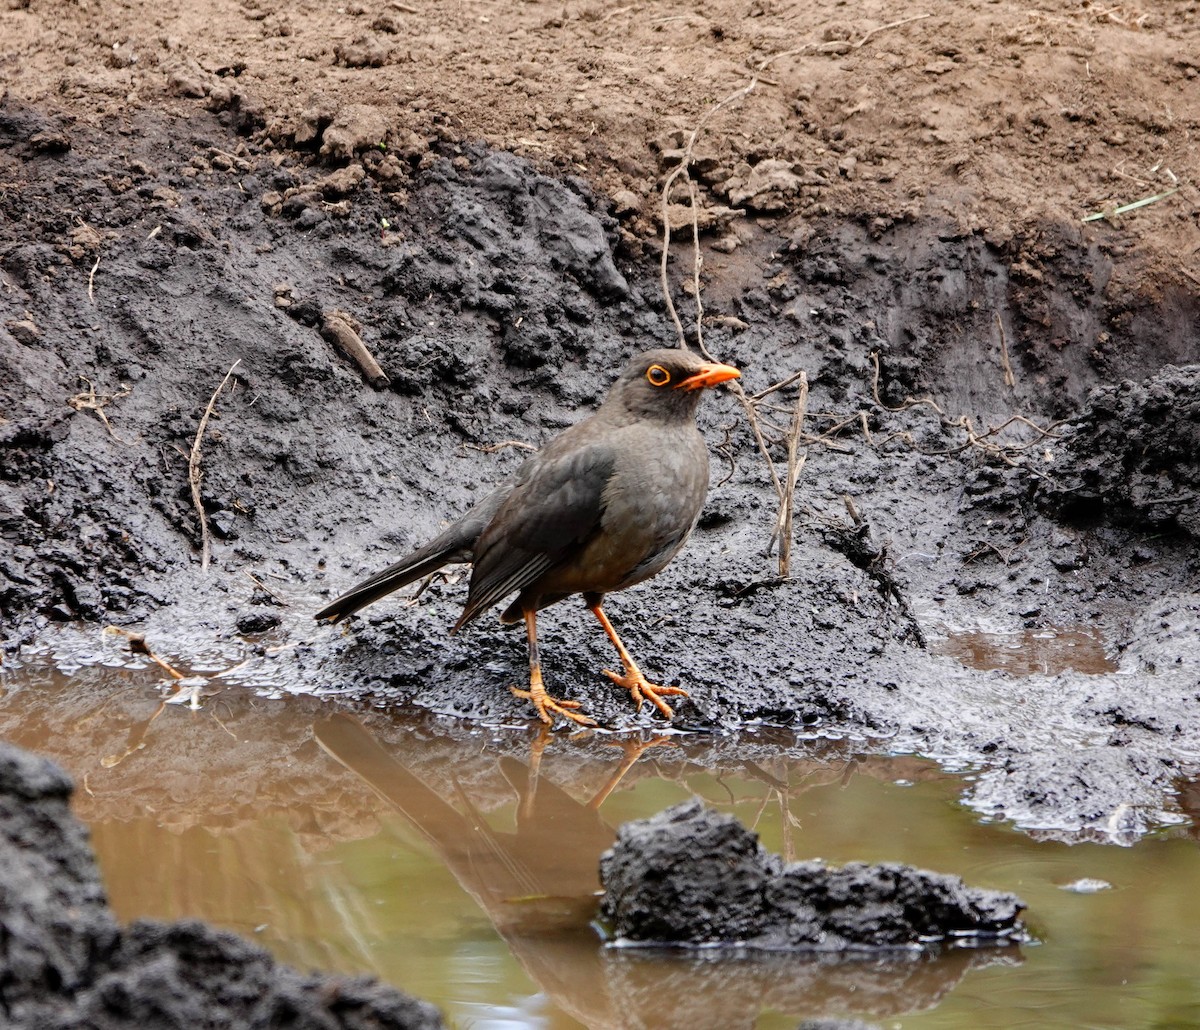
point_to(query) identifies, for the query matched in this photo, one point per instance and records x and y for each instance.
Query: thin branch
(92, 279)
(681, 169)
(1009, 379)
(194, 473)
(266, 589)
(338, 327)
(795, 462)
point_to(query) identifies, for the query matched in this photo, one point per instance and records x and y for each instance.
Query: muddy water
(460, 863)
(1048, 651)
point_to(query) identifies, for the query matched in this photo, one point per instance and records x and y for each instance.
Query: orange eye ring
(656, 375)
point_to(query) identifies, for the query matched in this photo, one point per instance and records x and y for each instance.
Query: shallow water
(1047, 650)
(460, 863)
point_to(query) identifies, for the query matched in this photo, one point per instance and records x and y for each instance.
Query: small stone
(343, 181)
(625, 203)
(363, 52)
(23, 331)
(257, 622)
(310, 218)
(187, 80)
(356, 127)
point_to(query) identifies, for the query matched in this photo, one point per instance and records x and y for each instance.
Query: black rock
(65, 963)
(693, 877)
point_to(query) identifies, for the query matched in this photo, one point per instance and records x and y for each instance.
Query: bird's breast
(651, 503)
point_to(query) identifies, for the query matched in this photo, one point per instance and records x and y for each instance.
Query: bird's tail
(456, 544)
(420, 563)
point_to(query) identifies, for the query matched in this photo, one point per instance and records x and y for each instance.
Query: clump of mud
(1133, 453)
(693, 877)
(66, 963)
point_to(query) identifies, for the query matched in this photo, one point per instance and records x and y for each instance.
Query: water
(460, 864)
(1046, 650)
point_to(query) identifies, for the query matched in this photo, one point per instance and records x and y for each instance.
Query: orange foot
(641, 688)
(545, 704)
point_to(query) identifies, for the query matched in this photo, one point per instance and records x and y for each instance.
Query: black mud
(66, 963)
(149, 257)
(693, 877)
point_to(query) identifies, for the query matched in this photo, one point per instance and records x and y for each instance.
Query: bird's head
(666, 384)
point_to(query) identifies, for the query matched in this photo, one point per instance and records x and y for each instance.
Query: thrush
(606, 504)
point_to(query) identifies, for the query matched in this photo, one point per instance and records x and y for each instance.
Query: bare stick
(778, 386)
(697, 264)
(92, 279)
(263, 586)
(982, 441)
(91, 401)
(681, 169)
(138, 645)
(494, 448)
(889, 25)
(795, 462)
(194, 473)
(340, 328)
(1009, 379)
(752, 418)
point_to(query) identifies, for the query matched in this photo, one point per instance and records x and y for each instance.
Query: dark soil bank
(140, 261)
(66, 963)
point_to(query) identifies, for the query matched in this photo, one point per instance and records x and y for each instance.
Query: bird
(604, 505)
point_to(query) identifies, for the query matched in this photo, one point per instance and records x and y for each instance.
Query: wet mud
(140, 261)
(66, 962)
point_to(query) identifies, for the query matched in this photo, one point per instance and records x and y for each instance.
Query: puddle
(1030, 652)
(460, 864)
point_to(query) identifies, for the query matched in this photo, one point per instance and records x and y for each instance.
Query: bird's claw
(642, 689)
(545, 704)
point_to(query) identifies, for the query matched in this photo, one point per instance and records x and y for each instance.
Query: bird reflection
(538, 884)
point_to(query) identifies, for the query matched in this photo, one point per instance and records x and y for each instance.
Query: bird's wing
(555, 507)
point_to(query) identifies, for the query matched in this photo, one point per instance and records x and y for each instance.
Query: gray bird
(606, 504)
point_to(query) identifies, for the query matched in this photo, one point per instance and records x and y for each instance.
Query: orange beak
(709, 375)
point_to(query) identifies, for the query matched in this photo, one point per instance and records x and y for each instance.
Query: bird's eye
(657, 375)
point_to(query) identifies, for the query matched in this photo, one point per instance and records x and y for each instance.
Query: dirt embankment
(498, 301)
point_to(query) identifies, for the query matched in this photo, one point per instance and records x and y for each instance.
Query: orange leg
(633, 680)
(542, 701)
(634, 749)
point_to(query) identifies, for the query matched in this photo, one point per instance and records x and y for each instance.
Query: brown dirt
(1001, 116)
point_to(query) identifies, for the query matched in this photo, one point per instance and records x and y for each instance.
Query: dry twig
(1009, 379)
(138, 645)
(266, 589)
(784, 490)
(92, 279)
(982, 441)
(795, 462)
(89, 400)
(495, 448)
(194, 473)
(338, 327)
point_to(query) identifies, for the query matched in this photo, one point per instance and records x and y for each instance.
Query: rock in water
(66, 963)
(693, 877)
